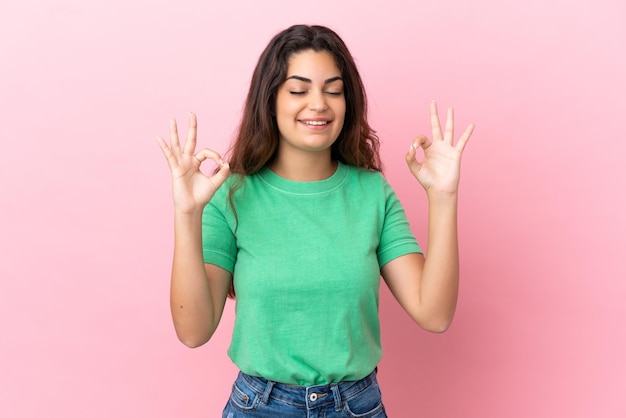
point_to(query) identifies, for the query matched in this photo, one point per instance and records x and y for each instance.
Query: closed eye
(297, 92)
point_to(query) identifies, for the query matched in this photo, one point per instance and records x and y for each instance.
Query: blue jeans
(257, 397)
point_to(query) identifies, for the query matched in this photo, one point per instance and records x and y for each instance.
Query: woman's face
(310, 104)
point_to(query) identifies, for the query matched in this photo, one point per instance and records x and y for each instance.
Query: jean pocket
(243, 397)
(366, 404)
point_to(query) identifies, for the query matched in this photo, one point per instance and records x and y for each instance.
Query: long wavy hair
(256, 142)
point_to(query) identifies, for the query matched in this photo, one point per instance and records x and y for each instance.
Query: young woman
(300, 225)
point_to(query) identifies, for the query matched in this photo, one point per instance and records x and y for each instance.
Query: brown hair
(256, 142)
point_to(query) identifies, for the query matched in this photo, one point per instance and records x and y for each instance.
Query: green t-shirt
(306, 259)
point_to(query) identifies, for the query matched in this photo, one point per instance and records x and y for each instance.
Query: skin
(427, 288)
(313, 93)
(198, 291)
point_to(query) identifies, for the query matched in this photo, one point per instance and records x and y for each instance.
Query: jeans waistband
(311, 396)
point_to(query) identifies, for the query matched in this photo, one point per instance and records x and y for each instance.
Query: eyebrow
(308, 80)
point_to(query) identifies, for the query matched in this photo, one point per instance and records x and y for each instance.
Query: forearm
(440, 277)
(192, 307)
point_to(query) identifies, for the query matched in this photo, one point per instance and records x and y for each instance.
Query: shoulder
(236, 183)
(371, 179)
(230, 191)
(364, 174)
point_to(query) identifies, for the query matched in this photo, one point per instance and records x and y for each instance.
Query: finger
(190, 144)
(171, 160)
(421, 141)
(175, 143)
(434, 122)
(460, 146)
(205, 153)
(449, 132)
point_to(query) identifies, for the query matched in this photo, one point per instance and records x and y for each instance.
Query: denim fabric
(257, 397)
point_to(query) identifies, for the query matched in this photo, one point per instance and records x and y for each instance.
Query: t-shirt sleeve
(396, 238)
(219, 245)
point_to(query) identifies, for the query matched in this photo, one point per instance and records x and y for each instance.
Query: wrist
(440, 197)
(188, 215)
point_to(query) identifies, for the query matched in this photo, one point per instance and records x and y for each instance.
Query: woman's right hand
(191, 188)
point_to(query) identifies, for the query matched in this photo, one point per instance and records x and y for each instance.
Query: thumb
(220, 177)
(411, 160)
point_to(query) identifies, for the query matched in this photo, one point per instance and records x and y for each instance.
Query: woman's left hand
(439, 170)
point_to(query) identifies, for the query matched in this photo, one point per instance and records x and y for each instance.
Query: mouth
(315, 122)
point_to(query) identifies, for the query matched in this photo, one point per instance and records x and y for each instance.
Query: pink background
(86, 225)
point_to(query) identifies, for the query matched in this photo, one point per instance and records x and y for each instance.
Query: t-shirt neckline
(305, 187)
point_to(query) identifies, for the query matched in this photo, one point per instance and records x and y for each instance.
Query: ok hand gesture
(439, 170)
(192, 189)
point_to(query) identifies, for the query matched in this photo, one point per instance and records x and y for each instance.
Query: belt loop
(335, 388)
(266, 393)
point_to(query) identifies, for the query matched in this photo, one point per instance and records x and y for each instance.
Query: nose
(318, 102)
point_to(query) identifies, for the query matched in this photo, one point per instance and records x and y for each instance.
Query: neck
(307, 166)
